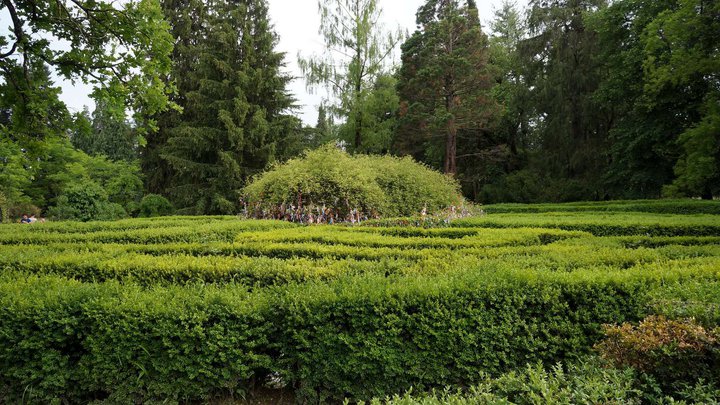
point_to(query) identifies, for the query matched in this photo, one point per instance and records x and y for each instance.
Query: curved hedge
(378, 186)
(686, 206)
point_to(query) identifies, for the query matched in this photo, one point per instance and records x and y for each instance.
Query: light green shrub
(585, 382)
(376, 186)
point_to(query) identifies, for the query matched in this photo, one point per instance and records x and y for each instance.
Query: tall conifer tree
(234, 101)
(562, 75)
(443, 83)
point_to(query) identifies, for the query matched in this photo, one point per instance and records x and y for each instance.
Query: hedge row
(200, 232)
(603, 224)
(182, 269)
(650, 206)
(358, 337)
(394, 238)
(124, 224)
(258, 264)
(192, 310)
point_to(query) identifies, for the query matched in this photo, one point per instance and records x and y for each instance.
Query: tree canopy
(122, 49)
(444, 83)
(561, 101)
(235, 109)
(358, 52)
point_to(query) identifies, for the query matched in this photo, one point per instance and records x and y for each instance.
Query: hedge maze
(197, 308)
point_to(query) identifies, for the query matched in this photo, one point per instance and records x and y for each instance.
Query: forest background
(560, 101)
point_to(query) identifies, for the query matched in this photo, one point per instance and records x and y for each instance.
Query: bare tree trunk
(451, 148)
(358, 132)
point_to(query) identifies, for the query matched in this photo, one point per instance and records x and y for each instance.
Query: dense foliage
(444, 83)
(585, 382)
(328, 178)
(676, 353)
(48, 158)
(567, 100)
(153, 205)
(588, 381)
(353, 68)
(235, 109)
(603, 100)
(222, 307)
(122, 50)
(561, 101)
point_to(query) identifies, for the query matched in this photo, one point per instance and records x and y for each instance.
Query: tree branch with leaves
(121, 48)
(358, 51)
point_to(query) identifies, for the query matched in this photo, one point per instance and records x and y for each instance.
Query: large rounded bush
(376, 186)
(154, 205)
(86, 202)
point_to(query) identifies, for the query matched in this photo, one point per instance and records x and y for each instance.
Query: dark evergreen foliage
(105, 134)
(234, 118)
(603, 100)
(444, 84)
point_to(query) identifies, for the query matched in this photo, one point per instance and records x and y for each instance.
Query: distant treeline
(561, 101)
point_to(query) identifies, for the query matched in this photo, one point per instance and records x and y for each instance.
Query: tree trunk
(358, 132)
(707, 194)
(358, 112)
(358, 83)
(451, 148)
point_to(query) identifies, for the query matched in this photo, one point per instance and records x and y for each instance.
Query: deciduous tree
(358, 51)
(122, 48)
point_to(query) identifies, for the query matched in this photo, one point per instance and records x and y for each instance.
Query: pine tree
(444, 83)
(324, 130)
(562, 76)
(107, 135)
(234, 101)
(188, 21)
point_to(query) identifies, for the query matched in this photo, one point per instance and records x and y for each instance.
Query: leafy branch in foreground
(122, 50)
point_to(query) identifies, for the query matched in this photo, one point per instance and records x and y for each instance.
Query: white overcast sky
(296, 22)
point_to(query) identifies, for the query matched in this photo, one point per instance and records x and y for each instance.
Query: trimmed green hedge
(192, 309)
(363, 342)
(686, 206)
(73, 342)
(604, 224)
(356, 337)
(198, 232)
